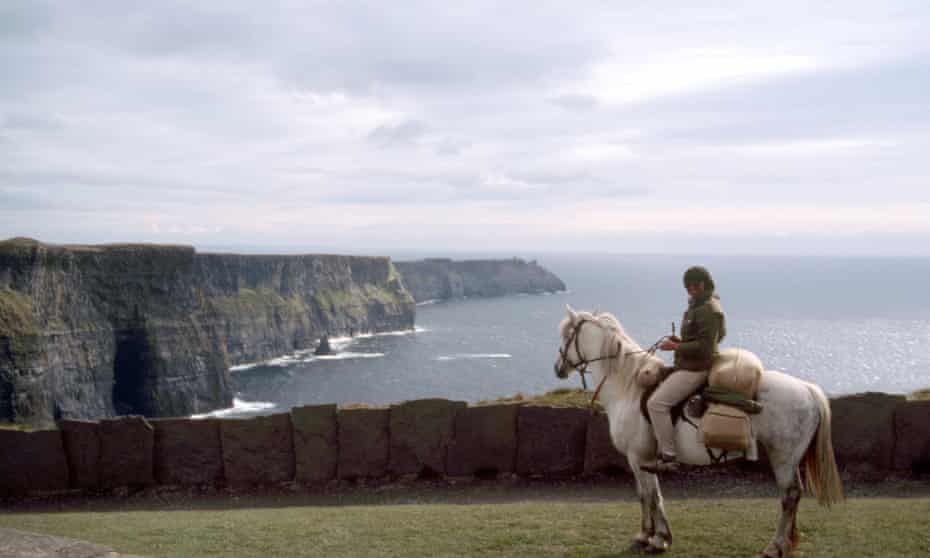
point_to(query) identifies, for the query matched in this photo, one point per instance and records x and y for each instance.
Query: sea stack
(323, 348)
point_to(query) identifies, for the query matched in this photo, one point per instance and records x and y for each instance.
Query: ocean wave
(430, 301)
(338, 344)
(240, 407)
(343, 356)
(415, 330)
(459, 356)
(301, 357)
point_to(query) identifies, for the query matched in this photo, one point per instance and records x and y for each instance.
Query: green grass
(15, 426)
(16, 316)
(702, 527)
(562, 397)
(255, 302)
(18, 325)
(920, 395)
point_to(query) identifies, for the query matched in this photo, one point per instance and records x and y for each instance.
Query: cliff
(440, 279)
(97, 331)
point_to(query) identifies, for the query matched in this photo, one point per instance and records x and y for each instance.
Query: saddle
(721, 405)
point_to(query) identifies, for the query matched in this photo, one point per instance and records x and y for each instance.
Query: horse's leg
(786, 535)
(655, 525)
(647, 523)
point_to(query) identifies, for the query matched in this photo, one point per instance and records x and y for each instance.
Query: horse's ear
(571, 312)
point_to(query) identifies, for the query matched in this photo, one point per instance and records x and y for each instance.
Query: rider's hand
(668, 345)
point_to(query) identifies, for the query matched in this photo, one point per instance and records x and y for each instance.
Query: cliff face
(95, 331)
(271, 305)
(440, 279)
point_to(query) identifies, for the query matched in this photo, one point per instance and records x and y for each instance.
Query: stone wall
(429, 438)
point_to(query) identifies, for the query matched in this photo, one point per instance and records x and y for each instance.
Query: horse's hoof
(638, 546)
(657, 545)
(773, 551)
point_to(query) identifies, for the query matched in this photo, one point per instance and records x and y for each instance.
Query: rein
(582, 365)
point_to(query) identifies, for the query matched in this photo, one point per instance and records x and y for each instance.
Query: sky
(445, 127)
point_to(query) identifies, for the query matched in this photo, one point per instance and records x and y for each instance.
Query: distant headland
(443, 279)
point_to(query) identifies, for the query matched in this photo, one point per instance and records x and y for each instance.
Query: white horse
(794, 426)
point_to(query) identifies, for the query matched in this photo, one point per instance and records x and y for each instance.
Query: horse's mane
(630, 353)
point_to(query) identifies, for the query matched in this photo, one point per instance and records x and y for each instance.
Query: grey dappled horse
(793, 426)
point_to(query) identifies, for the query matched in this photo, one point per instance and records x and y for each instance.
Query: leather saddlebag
(725, 427)
(736, 370)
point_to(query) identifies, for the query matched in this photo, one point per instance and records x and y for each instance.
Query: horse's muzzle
(560, 371)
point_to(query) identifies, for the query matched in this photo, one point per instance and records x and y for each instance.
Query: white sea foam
(240, 407)
(472, 356)
(428, 302)
(342, 356)
(415, 330)
(308, 356)
(338, 344)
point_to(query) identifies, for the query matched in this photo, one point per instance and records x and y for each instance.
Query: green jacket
(702, 327)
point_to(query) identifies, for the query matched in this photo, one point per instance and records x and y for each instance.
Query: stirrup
(662, 464)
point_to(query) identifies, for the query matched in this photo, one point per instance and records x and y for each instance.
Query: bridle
(582, 364)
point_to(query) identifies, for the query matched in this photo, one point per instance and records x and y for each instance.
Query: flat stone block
(21, 544)
(82, 446)
(601, 456)
(364, 442)
(126, 452)
(32, 462)
(912, 436)
(188, 451)
(863, 431)
(420, 434)
(258, 450)
(551, 440)
(316, 442)
(484, 441)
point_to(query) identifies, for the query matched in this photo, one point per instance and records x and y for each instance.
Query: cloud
(22, 19)
(577, 102)
(402, 133)
(26, 122)
(223, 120)
(17, 200)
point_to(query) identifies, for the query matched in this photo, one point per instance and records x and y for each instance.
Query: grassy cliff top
(21, 241)
(16, 315)
(561, 397)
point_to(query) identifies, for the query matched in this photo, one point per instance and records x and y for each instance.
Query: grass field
(430, 523)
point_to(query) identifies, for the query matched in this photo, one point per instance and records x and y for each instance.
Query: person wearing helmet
(703, 326)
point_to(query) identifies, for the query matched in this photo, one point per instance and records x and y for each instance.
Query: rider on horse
(702, 328)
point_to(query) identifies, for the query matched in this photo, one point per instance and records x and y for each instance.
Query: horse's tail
(821, 476)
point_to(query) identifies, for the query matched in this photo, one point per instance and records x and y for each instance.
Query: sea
(848, 324)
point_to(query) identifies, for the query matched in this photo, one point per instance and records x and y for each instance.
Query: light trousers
(675, 389)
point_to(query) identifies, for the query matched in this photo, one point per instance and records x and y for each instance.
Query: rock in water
(323, 348)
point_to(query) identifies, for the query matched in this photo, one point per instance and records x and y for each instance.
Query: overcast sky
(401, 126)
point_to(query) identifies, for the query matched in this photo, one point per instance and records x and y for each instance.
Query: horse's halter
(581, 365)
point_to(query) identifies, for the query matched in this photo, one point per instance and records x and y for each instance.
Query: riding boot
(664, 463)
